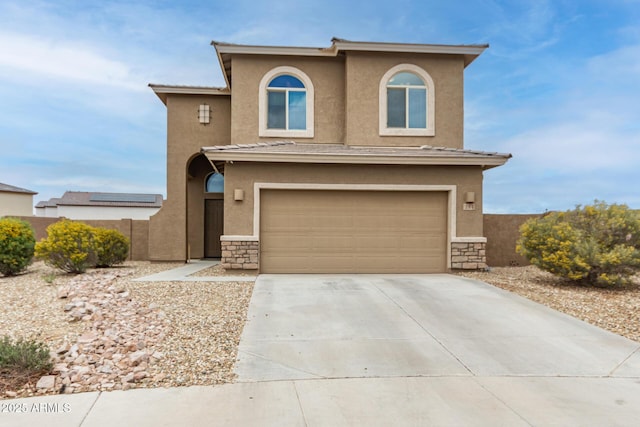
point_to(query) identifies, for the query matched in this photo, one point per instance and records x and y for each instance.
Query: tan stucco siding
(239, 215)
(185, 137)
(363, 75)
(16, 204)
(327, 76)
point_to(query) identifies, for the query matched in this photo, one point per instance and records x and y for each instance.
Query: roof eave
(28, 192)
(469, 52)
(486, 162)
(225, 73)
(224, 50)
(162, 91)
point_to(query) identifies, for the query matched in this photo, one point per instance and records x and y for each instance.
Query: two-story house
(325, 160)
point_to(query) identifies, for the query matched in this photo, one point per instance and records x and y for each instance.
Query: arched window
(407, 102)
(286, 103)
(214, 183)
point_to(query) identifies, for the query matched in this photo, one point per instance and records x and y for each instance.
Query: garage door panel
(316, 231)
(422, 244)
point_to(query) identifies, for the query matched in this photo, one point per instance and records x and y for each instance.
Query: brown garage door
(321, 231)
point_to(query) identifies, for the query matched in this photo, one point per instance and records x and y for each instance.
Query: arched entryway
(205, 208)
(213, 214)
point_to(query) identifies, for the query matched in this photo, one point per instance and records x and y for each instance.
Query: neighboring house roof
(51, 203)
(85, 198)
(225, 50)
(6, 188)
(289, 151)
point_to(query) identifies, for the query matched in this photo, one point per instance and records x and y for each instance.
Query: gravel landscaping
(107, 332)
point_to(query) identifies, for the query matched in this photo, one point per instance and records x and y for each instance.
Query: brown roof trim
(470, 51)
(291, 152)
(341, 45)
(163, 90)
(225, 50)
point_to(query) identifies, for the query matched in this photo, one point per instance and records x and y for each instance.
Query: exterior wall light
(469, 201)
(470, 197)
(203, 114)
(238, 195)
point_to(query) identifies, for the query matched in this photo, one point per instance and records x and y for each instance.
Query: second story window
(286, 104)
(407, 102)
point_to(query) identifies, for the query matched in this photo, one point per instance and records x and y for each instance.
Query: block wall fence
(137, 231)
(501, 231)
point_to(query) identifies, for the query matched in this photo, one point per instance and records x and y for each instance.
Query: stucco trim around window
(430, 129)
(263, 130)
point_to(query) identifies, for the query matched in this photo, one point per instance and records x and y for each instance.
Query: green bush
(24, 356)
(69, 246)
(596, 245)
(112, 247)
(17, 242)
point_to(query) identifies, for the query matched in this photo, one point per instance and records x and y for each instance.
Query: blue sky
(559, 88)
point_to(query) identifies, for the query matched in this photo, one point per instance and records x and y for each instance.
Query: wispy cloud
(583, 142)
(62, 60)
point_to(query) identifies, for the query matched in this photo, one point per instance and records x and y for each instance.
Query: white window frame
(430, 130)
(263, 130)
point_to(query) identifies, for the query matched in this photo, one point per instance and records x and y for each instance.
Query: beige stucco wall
(347, 97)
(239, 215)
(363, 74)
(16, 204)
(185, 137)
(327, 76)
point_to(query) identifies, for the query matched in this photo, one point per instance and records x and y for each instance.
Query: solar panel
(123, 197)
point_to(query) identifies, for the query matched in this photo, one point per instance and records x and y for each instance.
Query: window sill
(407, 132)
(286, 133)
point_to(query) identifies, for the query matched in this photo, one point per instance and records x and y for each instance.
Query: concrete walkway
(387, 350)
(182, 274)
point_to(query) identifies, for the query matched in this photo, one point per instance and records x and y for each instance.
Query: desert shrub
(24, 356)
(69, 246)
(112, 247)
(17, 242)
(597, 244)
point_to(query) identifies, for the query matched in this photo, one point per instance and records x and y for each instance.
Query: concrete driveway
(370, 350)
(433, 350)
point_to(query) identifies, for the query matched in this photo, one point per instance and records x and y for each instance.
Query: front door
(213, 227)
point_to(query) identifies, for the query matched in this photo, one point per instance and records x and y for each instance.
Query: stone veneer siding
(240, 255)
(468, 256)
(243, 255)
